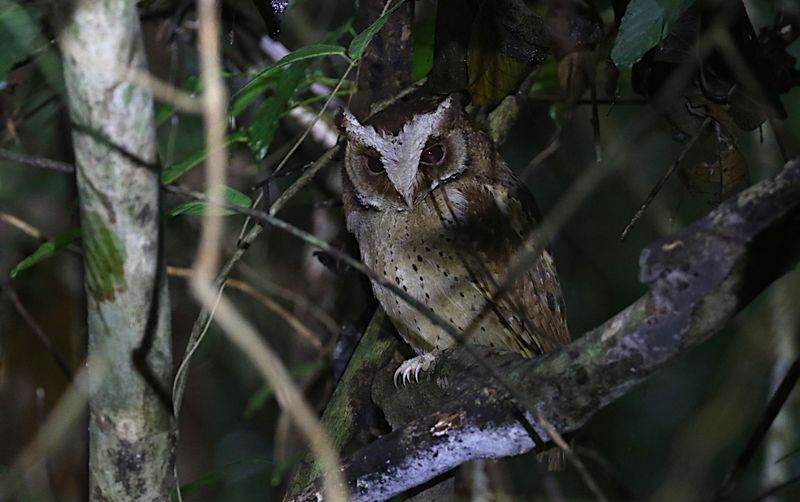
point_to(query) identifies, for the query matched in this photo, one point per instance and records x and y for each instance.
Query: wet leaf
(644, 25)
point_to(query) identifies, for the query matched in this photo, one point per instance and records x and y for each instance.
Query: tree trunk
(131, 431)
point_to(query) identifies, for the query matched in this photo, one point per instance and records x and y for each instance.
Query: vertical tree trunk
(385, 68)
(131, 433)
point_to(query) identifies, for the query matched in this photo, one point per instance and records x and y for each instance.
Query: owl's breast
(420, 252)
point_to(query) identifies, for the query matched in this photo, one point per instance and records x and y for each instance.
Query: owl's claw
(413, 367)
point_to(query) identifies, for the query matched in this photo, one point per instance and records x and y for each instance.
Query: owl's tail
(554, 458)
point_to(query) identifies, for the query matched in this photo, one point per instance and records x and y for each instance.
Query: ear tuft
(346, 122)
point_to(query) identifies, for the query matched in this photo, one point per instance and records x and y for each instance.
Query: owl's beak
(408, 198)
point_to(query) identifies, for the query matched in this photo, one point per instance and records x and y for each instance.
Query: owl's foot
(413, 367)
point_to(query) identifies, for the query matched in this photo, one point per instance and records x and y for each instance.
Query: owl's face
(398, 157)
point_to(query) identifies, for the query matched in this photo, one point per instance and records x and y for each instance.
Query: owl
(437, 211)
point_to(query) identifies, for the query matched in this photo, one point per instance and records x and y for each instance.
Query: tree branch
(698, 279)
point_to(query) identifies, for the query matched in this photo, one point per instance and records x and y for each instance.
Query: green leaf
(262, 130)
(230, 196)
(260, 397)
(546, 79)
(175, 171)
(19, 31)
(47, 250)
(422, 53)
(360, 41)
(255, 87)
(644, 25)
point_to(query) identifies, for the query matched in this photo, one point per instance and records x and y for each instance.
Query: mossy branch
(698, 279)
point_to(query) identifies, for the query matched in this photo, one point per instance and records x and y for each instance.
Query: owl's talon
(409, 371)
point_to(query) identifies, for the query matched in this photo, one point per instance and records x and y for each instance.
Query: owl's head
(405, 151)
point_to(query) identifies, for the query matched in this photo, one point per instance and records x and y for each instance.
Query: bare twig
(37, 330)
(214, 102)
(234, 325)
(40, 162)
(660, 183)
(289, 295)
(777, 488)
(28, 229)
(316, 118)
(574, 459)
(773, 407)
(598, 148)
(23, 226)
(164, 91)
(265, 300)
(65, 414)
(550, 149)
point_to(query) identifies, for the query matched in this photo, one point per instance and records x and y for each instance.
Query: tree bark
(698, 279)
(385, 67)
(131, 432)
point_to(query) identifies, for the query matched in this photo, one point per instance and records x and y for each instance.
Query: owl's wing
(500, 216)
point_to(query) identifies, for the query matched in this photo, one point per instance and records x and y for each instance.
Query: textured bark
(698, 279)
(350, 417)
(131, 433)
(385, 68)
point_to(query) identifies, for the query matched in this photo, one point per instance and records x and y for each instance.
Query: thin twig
(277, 308)
(65, 414)
(299, 301)
(775, 489)
(303, 180)
(598, 149)
(164, 91)
(214, 99)
(208, 293)
(37, 330)
(757, 437)
(583, 472)
(40, 162)
(660, 183)
(23, 226)
(203, 318)
(550, 149)
(316, 117)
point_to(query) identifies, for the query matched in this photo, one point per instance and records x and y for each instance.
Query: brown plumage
(436, 210)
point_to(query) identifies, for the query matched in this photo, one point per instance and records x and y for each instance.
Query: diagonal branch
(698, 279)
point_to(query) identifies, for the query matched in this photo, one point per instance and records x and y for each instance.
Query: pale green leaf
(230, 196)
(255, 87)
(47, 250)
(265, 123)
(360, 41)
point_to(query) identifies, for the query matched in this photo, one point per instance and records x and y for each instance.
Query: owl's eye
(433, 155)
(375, 165)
